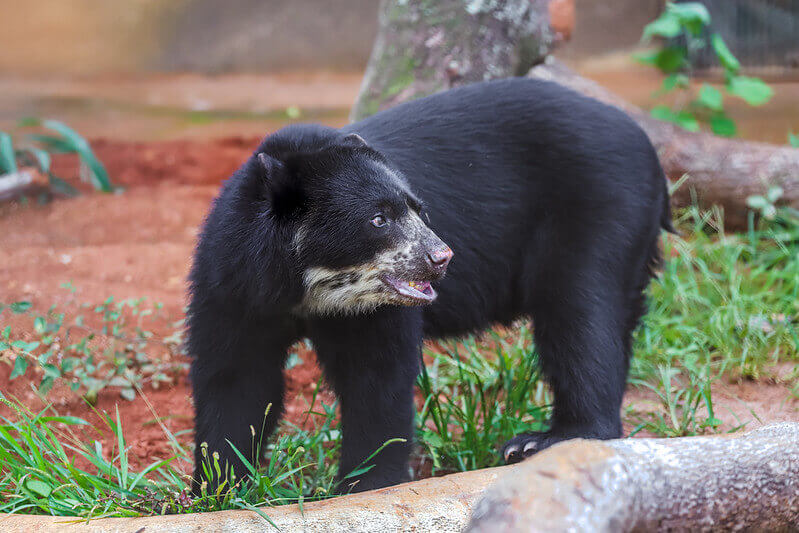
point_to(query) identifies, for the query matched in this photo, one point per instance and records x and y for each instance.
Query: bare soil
(139, 243)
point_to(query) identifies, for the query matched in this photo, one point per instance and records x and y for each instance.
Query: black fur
(552, 203)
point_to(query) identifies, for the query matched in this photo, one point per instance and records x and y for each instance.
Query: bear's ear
(353, 140)
(283, 192)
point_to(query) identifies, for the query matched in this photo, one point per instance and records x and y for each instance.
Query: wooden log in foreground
(723, 172)
(748, 480)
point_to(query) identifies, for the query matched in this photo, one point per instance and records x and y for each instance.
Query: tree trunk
(426, 46)
(722, 172)
(746, 482)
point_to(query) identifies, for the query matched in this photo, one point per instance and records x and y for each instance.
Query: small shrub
(684, 28)
(119, 352)
(36, 148)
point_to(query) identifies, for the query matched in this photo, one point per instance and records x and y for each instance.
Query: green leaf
(42, 158)
(128, 394)
(100, 178)
(51, 371)
(39, 325)
(39, 487)
(673, 81)
(710, 97)
(25, 346)
(727, 60)
(64, 419)
(8, 162)
(46, 385)
(667, 25)
(692, 15)
(683, 119)
(723, 125)
(69, 363)
(774, 193)
(52, 143)
(668, 60)
(20, 307)
(793, 140)
(757, 202)
(753, 90)
(20, 366)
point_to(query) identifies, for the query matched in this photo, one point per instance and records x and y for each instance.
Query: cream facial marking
(387, 279)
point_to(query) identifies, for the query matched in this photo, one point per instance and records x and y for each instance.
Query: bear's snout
(439, 259)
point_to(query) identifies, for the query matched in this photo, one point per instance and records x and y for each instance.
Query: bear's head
(358, 235)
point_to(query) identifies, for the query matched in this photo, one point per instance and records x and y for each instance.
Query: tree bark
(723, 172)
(426, 46)
(746, 482)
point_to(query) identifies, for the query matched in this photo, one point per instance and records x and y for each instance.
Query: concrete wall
(85, 37)
(88, 37)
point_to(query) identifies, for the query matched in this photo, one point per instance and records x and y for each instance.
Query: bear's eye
(379, 221)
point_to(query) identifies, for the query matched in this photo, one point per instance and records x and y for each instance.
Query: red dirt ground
(139, 243)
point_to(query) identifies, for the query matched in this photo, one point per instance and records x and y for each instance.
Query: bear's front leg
(372, 361)
(236, 372)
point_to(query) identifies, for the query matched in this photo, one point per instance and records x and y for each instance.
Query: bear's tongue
(418, 290)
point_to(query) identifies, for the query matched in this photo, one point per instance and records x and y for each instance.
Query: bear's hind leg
(582, 336)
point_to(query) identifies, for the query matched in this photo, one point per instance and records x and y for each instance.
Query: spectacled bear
(551, 202)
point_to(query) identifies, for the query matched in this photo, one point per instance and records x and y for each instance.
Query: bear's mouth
(417, 291)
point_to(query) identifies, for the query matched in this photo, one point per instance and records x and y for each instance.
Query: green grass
(724, 308)
(47, 468)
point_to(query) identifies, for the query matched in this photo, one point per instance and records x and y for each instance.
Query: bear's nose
(440, 258)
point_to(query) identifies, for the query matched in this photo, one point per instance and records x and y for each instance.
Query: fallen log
(723, 172)
(745, 482)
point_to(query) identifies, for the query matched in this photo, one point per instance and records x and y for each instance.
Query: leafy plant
(40, 472)
(117, 352)
(476, 398)
(684, 28)
(766, 204)
(686, 403)
(793, 140)
(36, 148)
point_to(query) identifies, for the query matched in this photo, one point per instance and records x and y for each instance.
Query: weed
(118, 352)
(36, 149)
(476, 397)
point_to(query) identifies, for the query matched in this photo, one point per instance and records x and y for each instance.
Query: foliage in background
(117, 352)
(684, 28)
(35, 150)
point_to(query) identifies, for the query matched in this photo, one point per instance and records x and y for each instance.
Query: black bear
(551, 202)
